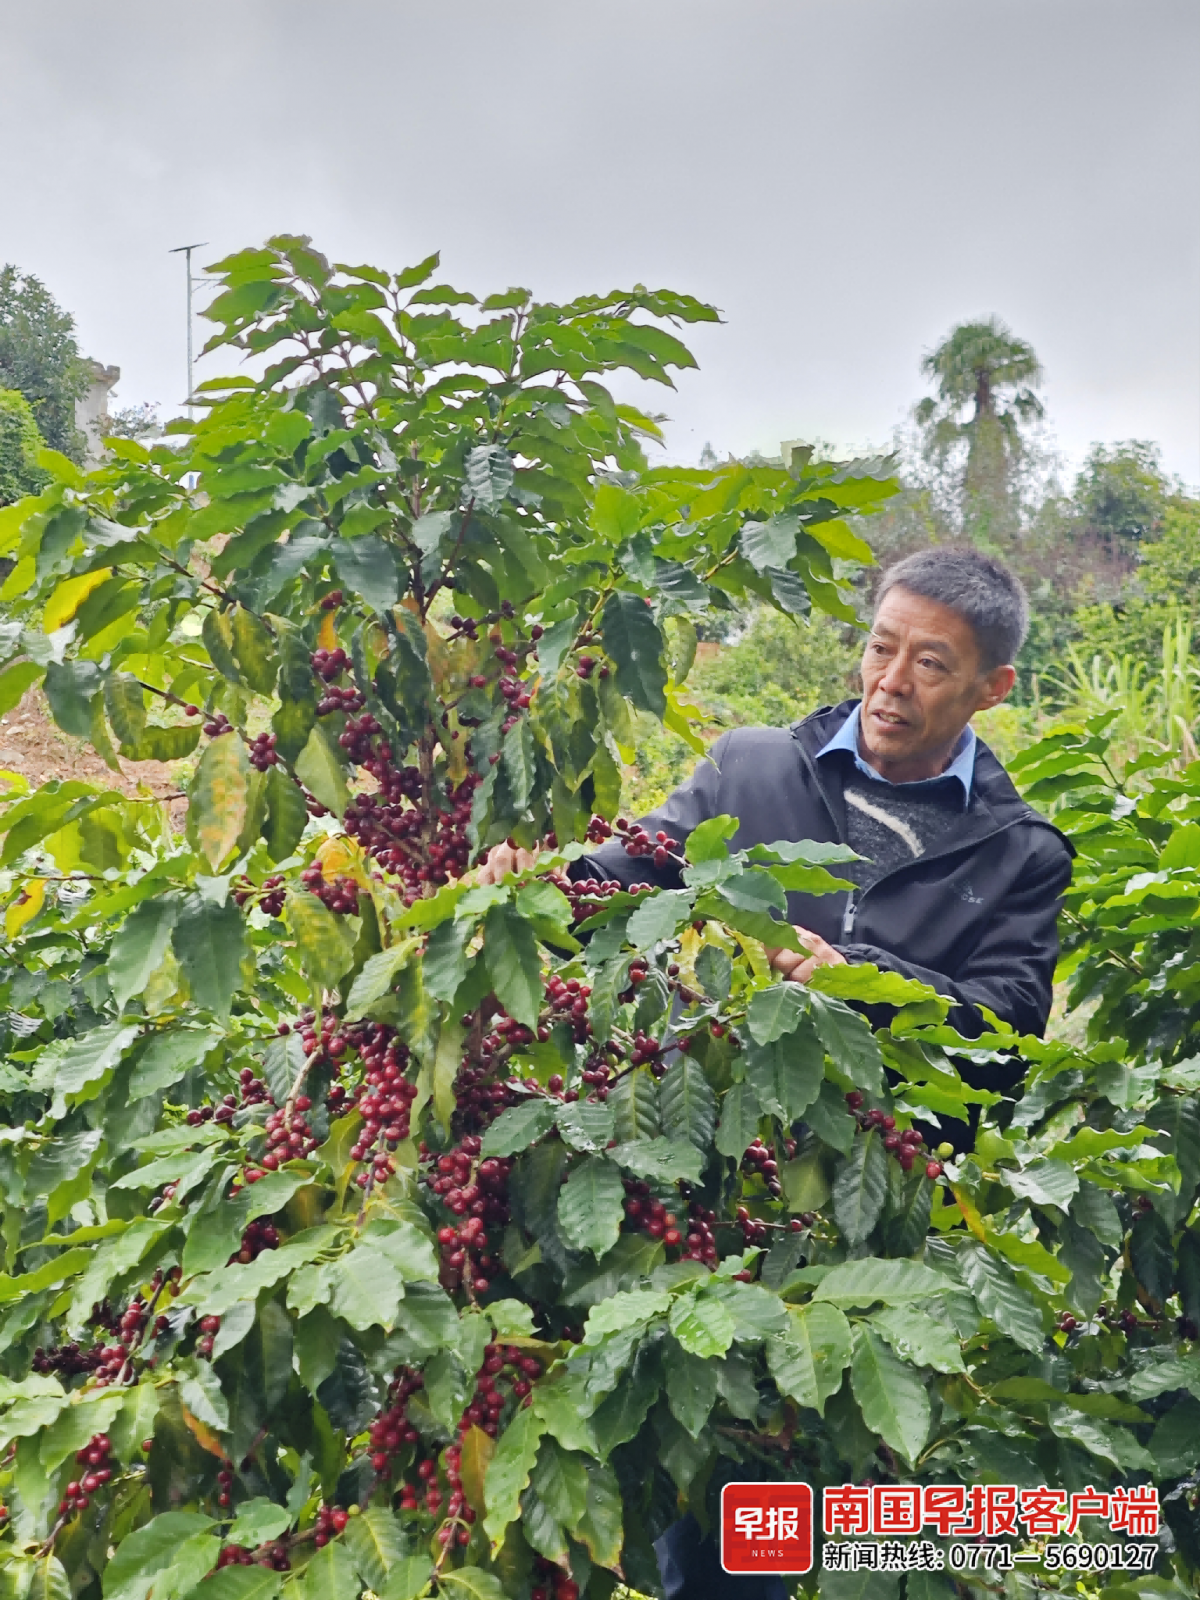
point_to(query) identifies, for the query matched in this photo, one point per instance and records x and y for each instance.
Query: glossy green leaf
(591, 1205)
(890, 1393)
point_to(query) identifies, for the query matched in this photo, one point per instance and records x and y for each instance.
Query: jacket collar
(994, 803)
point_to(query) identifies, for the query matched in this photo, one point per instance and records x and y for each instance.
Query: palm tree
(984, 370)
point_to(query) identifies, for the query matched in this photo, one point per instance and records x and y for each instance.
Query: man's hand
(502, 859)
(797, 967)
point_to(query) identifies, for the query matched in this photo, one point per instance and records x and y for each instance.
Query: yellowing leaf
(477, 1451)
(219, 797)
(69, 596)
(327, 638)
(25, 907)
(340, 857)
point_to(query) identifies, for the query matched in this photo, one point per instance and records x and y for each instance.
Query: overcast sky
(845, 179)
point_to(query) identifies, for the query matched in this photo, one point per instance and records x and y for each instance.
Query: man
(961, 881)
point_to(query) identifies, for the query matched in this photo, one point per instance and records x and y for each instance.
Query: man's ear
(995, 686)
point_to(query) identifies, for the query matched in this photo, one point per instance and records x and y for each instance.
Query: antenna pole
(185, 250)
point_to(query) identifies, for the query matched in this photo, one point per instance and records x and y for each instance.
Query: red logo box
(767, 1527)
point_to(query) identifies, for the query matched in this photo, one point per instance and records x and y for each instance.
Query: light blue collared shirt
(962, 767)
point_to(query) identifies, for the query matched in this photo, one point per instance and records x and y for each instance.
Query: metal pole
(186, 251)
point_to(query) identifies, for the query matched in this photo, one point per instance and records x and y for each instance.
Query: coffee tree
(371, 1230)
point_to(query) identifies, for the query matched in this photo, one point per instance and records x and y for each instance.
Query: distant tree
(1122, 491)
(19, 443)
(986, 380)
(40, 358)
(139, 421)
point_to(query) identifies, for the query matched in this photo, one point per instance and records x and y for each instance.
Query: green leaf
(377, 978)
(471, 1583)
(219, 798)
(167, 1057)
(658, 916)
(621, 1414)
(633, 641)
(714, 972)
(709, 840)
(740, 1116)
(513, 963)
(376, 1541)
(591, 1205)
(508, 1472)
(830, 1120)
(518, 1128)
(82, 1064)
(209, 943)
(147, 1550)
(1046, 1182)
(1000, 1296)
(860, 1188)
(702, 1324)
(687, 1104)
(602, 1525)
(47, 1580)
(201, 1393)
(691, 1389)
(808, 1360)
(71, 687)
(324, 940)
(917, 1337)
(321, 772)
(848, 1039)
(663, 1160)
(366, 1288)
(488, 472)
(239, 1583)
(367, 566)
(408, 1579)
(330, 1575)
(776, 1011)
(633, 1101)
(871, 1278)
(287, 814)
(891, 1394)
(585, 1125)
(257, 1521)
(140, 944)
(786, 1076)
(770, 544)
(446, 958)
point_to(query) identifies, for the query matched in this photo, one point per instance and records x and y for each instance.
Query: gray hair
(984, 592)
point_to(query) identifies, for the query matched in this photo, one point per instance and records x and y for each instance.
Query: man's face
(922, 683)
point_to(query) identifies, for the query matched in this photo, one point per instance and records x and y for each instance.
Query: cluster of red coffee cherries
(217, 724)
(210, 1327)
(331, 1520)
(638, 842)
(567, 1000)
(341, 895)
(270, 898)
(258, 1236)
(96, 1457)
(648, 1214)
(551, 1582)
(422, 846)
(329, 664)
(585, 665)
(475, 1191)
(262, 751)
(252, 1091)
(905, 1146)
(760, 1158)
(700, 1241)
(289, 1137)
(391, 1430)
